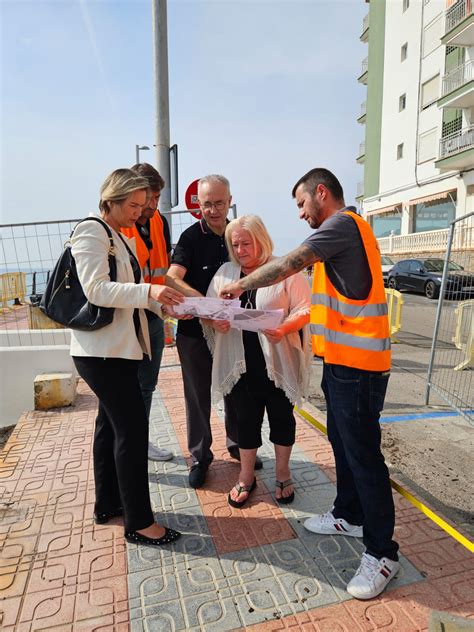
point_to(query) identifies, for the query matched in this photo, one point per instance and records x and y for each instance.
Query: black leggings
(120, 439)
(249, 398)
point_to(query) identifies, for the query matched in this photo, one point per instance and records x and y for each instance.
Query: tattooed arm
(272, 272)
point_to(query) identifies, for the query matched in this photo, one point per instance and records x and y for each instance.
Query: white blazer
(90, 246)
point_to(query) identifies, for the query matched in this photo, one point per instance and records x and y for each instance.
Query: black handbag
(64, 300)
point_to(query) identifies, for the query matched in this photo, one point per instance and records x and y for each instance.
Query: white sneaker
(372, 577)
(328, 525)
(158, 454)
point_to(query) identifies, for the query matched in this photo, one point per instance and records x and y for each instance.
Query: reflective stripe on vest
(355, 311)
(338, 337)
(159, 272)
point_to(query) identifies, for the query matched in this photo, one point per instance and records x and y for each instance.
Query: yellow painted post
(394, 304)
(467, 319)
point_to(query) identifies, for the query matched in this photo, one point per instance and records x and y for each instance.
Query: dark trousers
(355, 400)
(249, 398)
(196, 367)
(120, 439)
(149, 368)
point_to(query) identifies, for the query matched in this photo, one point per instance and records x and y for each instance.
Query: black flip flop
(242, 488)
(285, 500)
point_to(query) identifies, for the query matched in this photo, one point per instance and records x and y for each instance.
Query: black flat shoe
(235, 454)
(137, 538)
(104, 517)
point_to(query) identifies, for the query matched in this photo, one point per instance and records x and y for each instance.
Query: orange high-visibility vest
(154, 262)
(346, 331)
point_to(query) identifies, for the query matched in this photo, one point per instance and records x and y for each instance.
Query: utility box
(54, 390)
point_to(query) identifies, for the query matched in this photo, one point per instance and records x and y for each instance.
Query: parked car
(387, 265)
(424, 275)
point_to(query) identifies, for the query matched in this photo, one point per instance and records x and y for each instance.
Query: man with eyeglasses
(153, 244)
(200, 252)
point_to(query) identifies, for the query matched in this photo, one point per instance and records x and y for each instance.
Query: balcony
(459, 24)
(458, 87)
(365, 29)
(361, 155)
(456, 151)
(363, 77)
(363, 112)
(360, 190)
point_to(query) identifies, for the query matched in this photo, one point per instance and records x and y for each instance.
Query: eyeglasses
(219, 206)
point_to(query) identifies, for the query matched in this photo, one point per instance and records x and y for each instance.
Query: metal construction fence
(28, 253)
(451, 366)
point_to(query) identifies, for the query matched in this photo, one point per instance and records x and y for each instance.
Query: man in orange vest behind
(153, 244)
(350, 332)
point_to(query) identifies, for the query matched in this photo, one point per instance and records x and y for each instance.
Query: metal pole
(438, 312)
(137, 154)
(160, 50)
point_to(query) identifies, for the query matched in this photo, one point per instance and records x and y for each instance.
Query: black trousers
(249, 398)
(120, 439)
(196, 367)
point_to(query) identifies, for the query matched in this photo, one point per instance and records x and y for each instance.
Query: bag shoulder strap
(130, 252)
(96, 219)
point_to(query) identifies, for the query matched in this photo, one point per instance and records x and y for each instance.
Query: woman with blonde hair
(107, 359)
(260, 371)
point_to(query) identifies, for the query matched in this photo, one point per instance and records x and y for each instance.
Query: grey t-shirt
(337, 242)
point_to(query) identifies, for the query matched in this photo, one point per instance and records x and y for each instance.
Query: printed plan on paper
(224, 309)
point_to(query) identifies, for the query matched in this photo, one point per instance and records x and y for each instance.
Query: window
(432, 36)
(385, 223)
(427, 146)
(406, 4)
(399, 151)
(434, 215)
(404, 51)
(402, 102)
(429, 92)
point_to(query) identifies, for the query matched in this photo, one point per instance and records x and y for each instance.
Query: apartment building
(418, 120)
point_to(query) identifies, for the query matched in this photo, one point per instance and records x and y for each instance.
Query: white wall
(20, 363)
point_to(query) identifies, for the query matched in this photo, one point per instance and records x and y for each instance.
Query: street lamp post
(137, 152)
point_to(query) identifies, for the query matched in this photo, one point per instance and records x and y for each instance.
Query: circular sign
(191, 199)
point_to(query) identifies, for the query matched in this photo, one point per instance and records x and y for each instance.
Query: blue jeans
(355, 399)
(148, 370)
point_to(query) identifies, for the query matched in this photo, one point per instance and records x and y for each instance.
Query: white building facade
(418, 154)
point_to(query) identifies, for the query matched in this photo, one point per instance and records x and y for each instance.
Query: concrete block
(446, 622)
(54, 390)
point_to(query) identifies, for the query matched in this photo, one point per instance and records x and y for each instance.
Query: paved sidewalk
(255, 568)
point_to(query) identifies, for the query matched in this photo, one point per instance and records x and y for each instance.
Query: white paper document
(255, 319)
(204, 307)
(225, 309)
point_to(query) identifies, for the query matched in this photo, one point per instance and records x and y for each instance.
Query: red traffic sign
(191, 199)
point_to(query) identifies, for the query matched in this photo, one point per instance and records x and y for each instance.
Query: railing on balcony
(457, 12)
(361, 149)
(360, 189)
(365, 66)
(363, 109)
(458, 77)
(459, 141)
(428, 241)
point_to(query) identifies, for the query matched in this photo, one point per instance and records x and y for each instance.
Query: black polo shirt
(202, 253)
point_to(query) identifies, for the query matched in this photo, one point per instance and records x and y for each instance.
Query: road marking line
(403, 492)
(431, 415)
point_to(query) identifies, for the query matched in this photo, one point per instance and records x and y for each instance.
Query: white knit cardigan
(288, 362)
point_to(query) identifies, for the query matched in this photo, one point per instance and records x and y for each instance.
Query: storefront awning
(444, 195)
(385, 209)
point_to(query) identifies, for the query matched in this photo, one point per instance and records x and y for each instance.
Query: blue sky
(259, 91)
